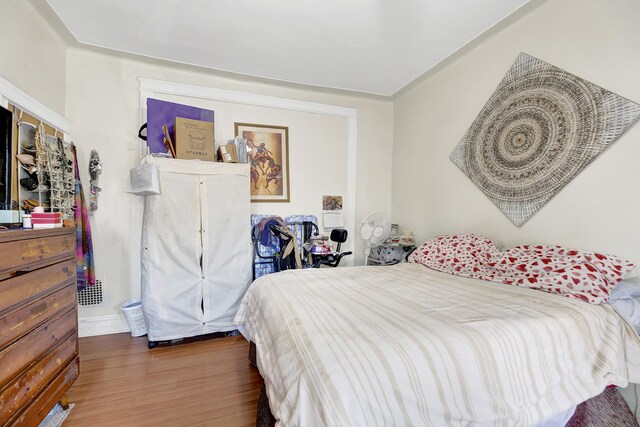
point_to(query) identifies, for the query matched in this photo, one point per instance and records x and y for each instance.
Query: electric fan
(374, 229)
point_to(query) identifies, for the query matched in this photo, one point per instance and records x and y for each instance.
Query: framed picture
(269, 159)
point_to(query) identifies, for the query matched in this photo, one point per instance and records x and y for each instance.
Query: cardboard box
(228, 153)
(194, 139)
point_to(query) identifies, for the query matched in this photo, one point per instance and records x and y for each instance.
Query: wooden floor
(204, 383)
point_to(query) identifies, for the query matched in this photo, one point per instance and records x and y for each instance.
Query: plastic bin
(133, 314)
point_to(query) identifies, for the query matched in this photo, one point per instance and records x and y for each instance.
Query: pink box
(45, 215)
(45, 221)
(45, 218)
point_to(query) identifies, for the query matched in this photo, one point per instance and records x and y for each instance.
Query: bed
(407, 345)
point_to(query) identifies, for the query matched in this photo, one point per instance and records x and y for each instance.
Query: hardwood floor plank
(203, 383)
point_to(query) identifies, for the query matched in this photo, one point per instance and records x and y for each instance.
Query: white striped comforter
(406, 345)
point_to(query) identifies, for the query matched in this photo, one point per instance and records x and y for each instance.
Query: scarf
(85, 268)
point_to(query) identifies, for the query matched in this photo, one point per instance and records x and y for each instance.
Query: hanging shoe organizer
(45, 172)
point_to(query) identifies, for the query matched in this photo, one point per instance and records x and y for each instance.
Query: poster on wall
(269, 159)
(332, 212)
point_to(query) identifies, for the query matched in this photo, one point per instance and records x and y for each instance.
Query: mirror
(6, 159)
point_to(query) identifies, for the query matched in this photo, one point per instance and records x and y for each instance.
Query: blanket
(406, 345)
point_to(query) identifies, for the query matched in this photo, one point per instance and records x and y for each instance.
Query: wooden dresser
(38, 322)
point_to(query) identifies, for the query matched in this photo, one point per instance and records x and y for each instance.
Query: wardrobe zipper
(201, 215)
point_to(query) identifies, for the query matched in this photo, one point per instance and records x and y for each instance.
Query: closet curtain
(196, 248)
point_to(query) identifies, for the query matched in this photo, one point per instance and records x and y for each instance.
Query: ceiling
(372, 46)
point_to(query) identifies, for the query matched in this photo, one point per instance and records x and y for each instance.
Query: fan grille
(374, 229)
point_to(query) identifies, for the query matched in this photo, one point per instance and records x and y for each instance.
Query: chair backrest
(339, 235)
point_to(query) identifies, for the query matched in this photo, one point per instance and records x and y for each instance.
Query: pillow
(589, 276)
(629, 309)
(458, 254)
(625, 289)
(630, 274)
(612, 267)
(578, 281)
(583, 275)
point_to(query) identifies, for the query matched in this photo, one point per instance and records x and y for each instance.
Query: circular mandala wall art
(541, 127)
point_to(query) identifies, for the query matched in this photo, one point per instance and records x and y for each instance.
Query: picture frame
(269, 160)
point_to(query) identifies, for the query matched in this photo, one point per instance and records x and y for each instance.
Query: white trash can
(133, 314)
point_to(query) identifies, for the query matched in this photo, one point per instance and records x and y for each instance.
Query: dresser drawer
(26, 287)
(23, 352)
(43, 403)
(46, 400)
(20, 322)
(35, 251)
(27, 385)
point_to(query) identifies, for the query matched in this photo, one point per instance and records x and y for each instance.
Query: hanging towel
(85, 268)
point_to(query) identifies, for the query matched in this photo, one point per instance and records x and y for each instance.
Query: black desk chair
(339, 236)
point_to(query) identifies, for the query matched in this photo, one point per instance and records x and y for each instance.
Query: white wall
(595, 39)
(102, 104)
(32, 54)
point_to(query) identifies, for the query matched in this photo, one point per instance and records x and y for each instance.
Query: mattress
(405, 345)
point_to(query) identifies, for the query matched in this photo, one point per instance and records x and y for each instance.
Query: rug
(608, 409)
(540, 128)
(56, 416)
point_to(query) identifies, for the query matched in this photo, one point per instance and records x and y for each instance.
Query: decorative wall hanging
(541, 127)
(95, 169)
(268, 149)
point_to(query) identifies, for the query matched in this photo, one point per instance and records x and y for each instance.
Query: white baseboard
(102, 325)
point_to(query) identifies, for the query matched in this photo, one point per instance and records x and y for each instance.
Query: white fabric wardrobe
(196, 248)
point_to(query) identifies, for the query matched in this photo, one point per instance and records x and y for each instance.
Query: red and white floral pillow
(583, 275)
(458, 254)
